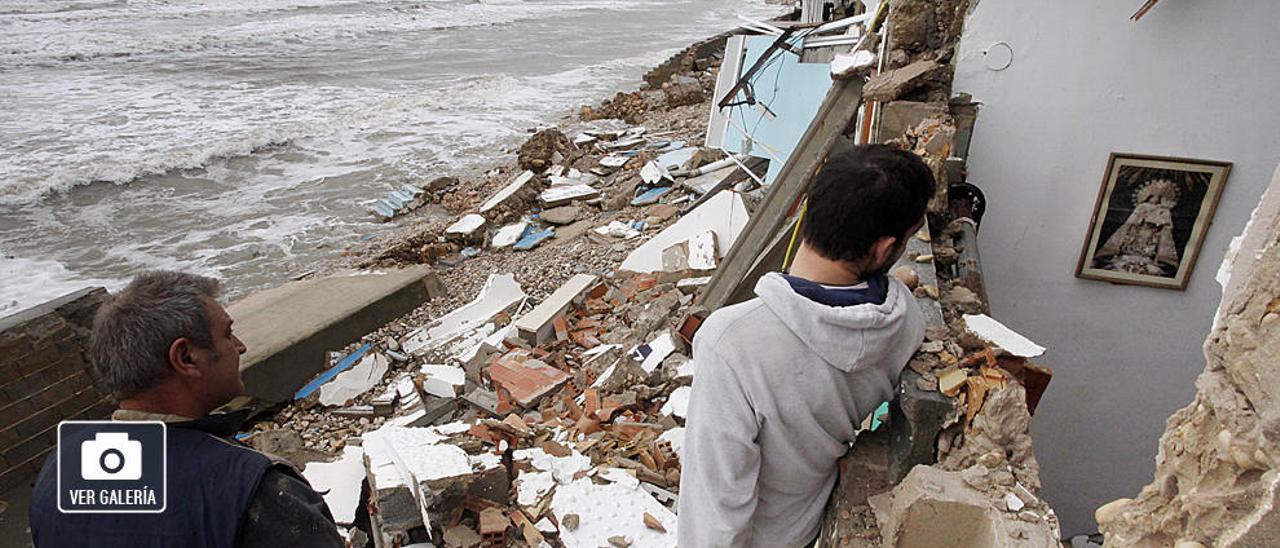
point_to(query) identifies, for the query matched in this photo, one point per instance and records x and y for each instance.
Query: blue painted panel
(792, 90)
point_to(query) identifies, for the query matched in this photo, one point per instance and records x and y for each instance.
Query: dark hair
(864, 193)
(132, 332)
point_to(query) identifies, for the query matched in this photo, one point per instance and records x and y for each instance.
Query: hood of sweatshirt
(840, 335)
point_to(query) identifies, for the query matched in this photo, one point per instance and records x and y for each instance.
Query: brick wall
(44, 379)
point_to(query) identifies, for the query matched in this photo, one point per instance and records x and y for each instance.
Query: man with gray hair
(165, 350)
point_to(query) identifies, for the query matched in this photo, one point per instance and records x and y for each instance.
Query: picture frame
(1150, 219)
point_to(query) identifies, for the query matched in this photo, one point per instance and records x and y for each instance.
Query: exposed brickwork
(44, 379)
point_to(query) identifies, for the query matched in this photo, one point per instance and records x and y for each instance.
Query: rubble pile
(548, 408)
(1215, 482)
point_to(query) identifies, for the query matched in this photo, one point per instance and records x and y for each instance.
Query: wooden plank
(837, 109)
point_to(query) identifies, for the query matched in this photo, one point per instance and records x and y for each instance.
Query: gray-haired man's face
(221, 362)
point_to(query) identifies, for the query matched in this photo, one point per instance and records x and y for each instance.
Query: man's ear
(882, 250)
(183, 358)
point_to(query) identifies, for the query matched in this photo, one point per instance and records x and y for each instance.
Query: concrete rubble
(1215, 482)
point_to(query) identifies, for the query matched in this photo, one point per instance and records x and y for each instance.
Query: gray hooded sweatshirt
(781, 385)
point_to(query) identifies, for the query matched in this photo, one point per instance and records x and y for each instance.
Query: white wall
(1194, 78)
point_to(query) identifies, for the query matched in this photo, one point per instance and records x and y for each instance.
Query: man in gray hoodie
(783, 381)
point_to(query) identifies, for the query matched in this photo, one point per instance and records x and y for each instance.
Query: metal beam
(837, 109)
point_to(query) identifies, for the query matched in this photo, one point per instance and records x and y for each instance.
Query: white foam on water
(28, 282)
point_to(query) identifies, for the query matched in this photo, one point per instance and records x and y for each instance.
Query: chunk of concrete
(562, 215)
(724, 214)
(467, 229)
(500, 292)
(288, 329)
(678, 403)
(443, 381)
(707, 182)
(506, 193)
(890, 85)
(934, 507)
(535, 327)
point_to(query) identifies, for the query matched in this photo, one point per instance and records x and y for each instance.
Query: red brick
(526, 382)
(32, 446)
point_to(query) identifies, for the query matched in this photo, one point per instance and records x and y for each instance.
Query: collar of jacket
(223, 425)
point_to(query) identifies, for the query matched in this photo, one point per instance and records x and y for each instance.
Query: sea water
(248, 139)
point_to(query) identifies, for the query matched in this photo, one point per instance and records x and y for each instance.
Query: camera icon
(111, 456)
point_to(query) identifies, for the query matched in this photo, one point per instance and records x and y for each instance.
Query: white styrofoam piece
(725, 214)
(660, 347)
(508, 235)
(562, 468)
(407, 390)
(485, 461)
(678, 403)
(360, 378)
(340, 482)
(996, 333)
(676, 437)
(418, 451)
(449, 428)
(500, 292)
(465, 346)
(618, 229)
(532, 486)
(467, 225)
(443, 381)
(611, 510)
(620, 476)
(507, 191)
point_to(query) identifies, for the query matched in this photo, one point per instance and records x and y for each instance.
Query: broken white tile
(340, 482)
(532, 486)
(596, 351)
(725, 214)
(407, 390)
(702, 251)
(467, 225)
(357, 380)
(651, 173)
(685, 369)
(678, 403)
(659, 348)
(508, 191)
(508, 235)
(611, 510)
(614, 161)
(704, 183)
(690, 285)
(996, 333)
(1012, 502)
(604, 376)
(499, 293)
(561, 195)
(443, 381)
(680, 159)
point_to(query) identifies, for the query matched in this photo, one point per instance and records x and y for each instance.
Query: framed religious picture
(1150, 220)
